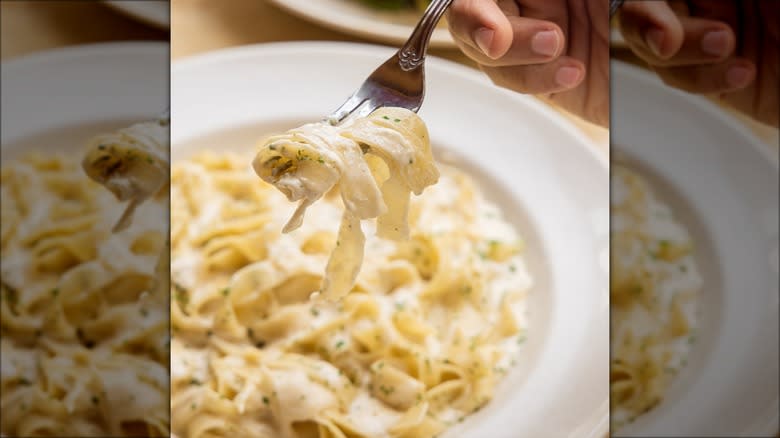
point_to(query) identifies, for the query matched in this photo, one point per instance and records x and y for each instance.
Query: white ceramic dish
(353, 17)
(55, 101)
(154, 12)
(550, 181)
(723, 183)
(60, 98)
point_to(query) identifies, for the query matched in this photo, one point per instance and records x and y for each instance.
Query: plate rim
(120, 50)
(441, 38)
(360, 48)
(101, 48)
(706, 106)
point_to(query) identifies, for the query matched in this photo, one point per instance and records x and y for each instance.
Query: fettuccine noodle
(429, 328)
(84, 310)
(375, 163)
(654, 288)
(132, 163)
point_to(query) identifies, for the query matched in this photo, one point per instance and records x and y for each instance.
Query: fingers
(481, 25)
(556, 76)
(533, 42)
(725, 77)
(704, 41)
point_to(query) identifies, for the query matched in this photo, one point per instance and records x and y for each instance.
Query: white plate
(61, 98)
(55, 101)
(353, 17)
(153, 12)
(549, 180)
(724, 183)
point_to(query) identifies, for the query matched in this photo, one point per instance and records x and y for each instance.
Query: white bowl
(549, 179)
(55, 101)
(59, 99)
(722, 182)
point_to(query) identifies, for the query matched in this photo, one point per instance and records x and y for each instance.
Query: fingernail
(545, 43)
(568, 76)
(655, 39)
(484, 37)
(715, 42)
(738, 76)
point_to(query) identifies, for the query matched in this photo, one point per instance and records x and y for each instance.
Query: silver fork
(400, 81)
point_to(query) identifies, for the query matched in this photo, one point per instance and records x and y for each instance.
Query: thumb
(482, 25)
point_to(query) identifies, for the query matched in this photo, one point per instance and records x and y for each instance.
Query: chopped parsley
(182, 295)
(10, 295)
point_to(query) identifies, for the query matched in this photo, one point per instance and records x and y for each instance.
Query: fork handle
(412, 53)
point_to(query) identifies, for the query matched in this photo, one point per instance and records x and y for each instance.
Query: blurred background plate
(722, 183)
(153, 12)
(550, 181)
(356, 18)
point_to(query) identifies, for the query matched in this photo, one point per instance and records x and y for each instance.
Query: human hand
(557, 49)
(725, 48)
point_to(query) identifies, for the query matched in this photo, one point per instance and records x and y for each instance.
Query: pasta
(85, 331)
(428, 329)
(653, 291)
(131, 163)
(390, 148)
